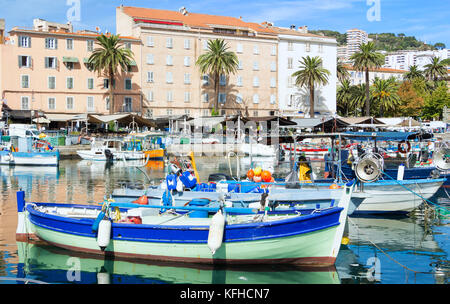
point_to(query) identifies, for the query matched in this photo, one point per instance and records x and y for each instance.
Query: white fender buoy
(104, 234)
(401, 172)
(216, 230)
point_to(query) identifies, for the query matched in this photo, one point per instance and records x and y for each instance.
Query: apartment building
(404, 59)
(355, 38)
(172, 42)
(47, 70)
(294, 44)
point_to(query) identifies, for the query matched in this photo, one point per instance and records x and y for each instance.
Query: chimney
(292, 27)
(183, 11)
(2, 31)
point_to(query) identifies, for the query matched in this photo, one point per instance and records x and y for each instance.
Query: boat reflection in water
(53, 265)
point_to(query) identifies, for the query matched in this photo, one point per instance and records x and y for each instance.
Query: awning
(41, 120)
(121, 118)
(388, 136)
(70, 59)
(206, 121)
(133, 63)
(86, 60)
(59, 117)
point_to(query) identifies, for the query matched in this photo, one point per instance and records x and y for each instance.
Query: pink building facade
(47, 71)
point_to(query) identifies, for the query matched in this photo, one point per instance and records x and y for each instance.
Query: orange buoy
(266, 176)
(272, 180)
(143, 200)
(250, 174)
(334, 186)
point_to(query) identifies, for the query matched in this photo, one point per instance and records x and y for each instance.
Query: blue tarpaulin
(388, 136)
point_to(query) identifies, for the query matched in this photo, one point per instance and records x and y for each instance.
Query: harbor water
(380, 250)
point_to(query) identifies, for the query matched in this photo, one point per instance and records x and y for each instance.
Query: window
(128, 45)
(24, 61)
(69, 103)
(25, 103)
(273, 82)
(90, 45)
(169, 96)
(273, 66)
(239, 98)
(169, 42)
(69, 82)
(256, 50)
(51, 103)
(128, 84)
(291, 100)
(255, 113)
(205, 97)
(290, 63)
(25, 81)
(240, 65)
(51, 43)
(290, 82)
(150, 96)
(150, 77)
(256, 98)
(52, 82)
(150, 41)
(308, 47)
(127, 104)
(69, 44)
(150, 59)
(205, 79)
(290, 46)
(187, 96)
(24, 41)
(187, 61)
(187, 112)
(239, 48)
(187, 78)
(239, 81)
(223, 80)
(273, 99)
(149, 113)
(90, 103)
(222, 97)
(256, 81)
(90, 83)
(51, 62)
(169, 60)
(274, 50)
(169, 77)
(255, 66)
(205, 44)
(69, 65)
(169, 112)
(187, 44)
(107, 103)
(320, 48)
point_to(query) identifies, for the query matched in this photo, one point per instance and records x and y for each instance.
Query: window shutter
(20, 61)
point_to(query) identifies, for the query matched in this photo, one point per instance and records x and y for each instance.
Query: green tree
(107, 58)
(411, 99)
(436, 101)
(435, 69)
(413, 73)
(384, 95)
(310, 75)
(217, 60)
(364, 60)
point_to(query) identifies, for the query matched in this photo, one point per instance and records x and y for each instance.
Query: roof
(361, 120)
(193, 19)
(288, 31)
(71, 34)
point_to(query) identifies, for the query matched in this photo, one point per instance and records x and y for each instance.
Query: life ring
(401, 148)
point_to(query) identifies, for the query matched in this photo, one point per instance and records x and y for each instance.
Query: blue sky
(428, 21)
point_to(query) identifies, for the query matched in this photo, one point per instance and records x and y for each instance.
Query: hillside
(383, 41)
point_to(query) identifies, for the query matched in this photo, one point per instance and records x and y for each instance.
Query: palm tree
(358, 93)
(384, 94)
(435, 69)
(311, 73)
(342, 72)
(217, 61)
(367, 58)
(413, 73)
(107, 58)
(344, 97)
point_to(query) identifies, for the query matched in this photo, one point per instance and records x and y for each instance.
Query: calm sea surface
(381, 250)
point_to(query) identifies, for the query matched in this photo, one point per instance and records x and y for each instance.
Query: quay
(70, 152)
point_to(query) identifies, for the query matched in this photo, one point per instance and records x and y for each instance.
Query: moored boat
(231, 236)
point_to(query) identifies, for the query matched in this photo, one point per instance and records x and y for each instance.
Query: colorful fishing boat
(30, 152)
(231, 236)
